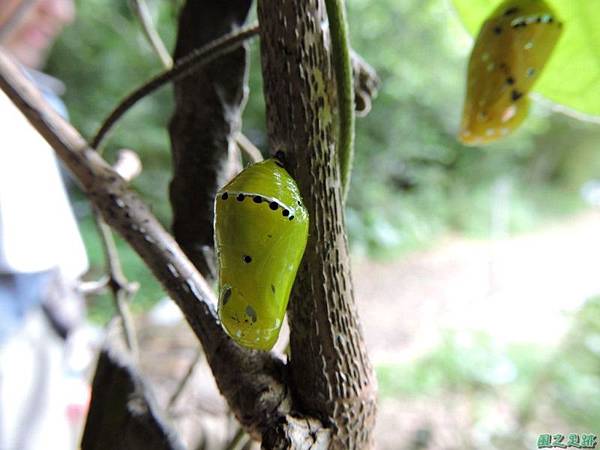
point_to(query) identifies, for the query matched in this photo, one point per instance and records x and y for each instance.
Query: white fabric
(37, 228)
(34, 390)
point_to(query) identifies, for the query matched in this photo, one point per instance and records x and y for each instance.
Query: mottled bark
(207, 117)
(331, 376)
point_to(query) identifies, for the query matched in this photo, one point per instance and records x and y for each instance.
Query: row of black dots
(273, 205)
(523, 22)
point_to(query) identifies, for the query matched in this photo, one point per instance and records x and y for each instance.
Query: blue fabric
(19, 293)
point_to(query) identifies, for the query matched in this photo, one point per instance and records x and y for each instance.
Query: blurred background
(476, 269)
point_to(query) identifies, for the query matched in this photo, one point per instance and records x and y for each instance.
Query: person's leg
(33, 400)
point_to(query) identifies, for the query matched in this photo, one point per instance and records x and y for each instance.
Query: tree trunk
(207, 117)
(331, 376)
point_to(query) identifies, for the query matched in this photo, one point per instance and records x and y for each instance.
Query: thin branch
(185, 66)
(340, 56)
(94, 287)
(252, 382)
(128, 166)
(140, 8)
(186, 378)
(238, 441)
(121, 289)
(363, 75)
(248, 147)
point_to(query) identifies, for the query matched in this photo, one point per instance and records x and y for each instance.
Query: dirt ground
(405, 306)
(518, 290)
(496, 286)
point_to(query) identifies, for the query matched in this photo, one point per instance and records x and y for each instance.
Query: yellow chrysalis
(510, 51)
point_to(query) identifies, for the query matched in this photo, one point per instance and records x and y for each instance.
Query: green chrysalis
(261, 229)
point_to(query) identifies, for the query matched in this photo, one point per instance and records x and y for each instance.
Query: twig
(340, 56)
(185, 66)
(186, 378)
(157, 44)
(249, 148)
(140, 8)
(238, 441)
(121, 289)
(94, 287)
(366, 81)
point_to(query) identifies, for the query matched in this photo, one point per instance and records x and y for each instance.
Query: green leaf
(572, 76)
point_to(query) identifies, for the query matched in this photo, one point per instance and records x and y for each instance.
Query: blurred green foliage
(572, 384)
(412, 180)
(545, 386)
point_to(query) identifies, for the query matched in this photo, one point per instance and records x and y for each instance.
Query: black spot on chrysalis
(240, 197)
(510, 80)
(497, 29)
(273, 288)
(226, 296)
(273, 206)
(515, 95)
(250, 312)
(225, 196)
(247, 259)
(285, 213)
(257, 199)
